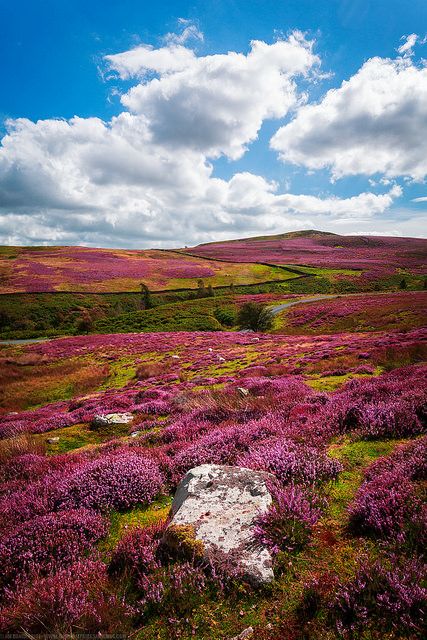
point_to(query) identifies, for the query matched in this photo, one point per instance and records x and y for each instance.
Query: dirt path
(280, 307)
(28, 341)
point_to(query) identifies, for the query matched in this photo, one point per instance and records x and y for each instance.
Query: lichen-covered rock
(219, 504)
(107, 419)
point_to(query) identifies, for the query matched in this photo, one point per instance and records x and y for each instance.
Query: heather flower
(381, 505)
(77, 597)
(136, 553)
(386, 504)
(48, 542)
(287, 524)
(115, 481)
(291, 462)
(387, 594)
(223, 445)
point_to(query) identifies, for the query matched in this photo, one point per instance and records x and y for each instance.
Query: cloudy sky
(138, 124)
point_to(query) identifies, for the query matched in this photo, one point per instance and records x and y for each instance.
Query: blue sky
(250, 164)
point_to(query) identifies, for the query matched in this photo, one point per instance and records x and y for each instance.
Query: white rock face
(221, 503)
(112, 418)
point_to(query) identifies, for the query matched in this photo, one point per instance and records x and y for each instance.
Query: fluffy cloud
(214, 104)
(86, 181)
(146, 177)
(376, 122)
(140, 61)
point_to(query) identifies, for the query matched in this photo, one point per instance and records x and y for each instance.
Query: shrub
(115, 481)
(255, 316)
(386, 504)
(175, 588)
(226, 316)
(48, 542)
(286, 525)
(77, 598)
(381, 505)
(224, 445)
(291, 462)
(136, 553)
(387, 594)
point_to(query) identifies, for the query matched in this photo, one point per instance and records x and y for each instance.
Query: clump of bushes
(116, 481)
(48, 542)
(292, 462)
(387, 594)
(77, 597)
(387, 505)
(255, 316)
(136, 554)
(287, 524)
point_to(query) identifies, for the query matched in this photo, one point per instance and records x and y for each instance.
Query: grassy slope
(112, 270)
(371, 312)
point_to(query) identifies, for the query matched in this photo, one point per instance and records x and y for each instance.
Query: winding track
(280, 307)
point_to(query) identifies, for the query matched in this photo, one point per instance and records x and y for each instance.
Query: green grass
(120, 522)
(355, 456)
(78, 436)
(332, 383)
(121, 372)
(328, 273)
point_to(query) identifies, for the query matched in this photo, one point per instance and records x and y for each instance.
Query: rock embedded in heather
(107, 419)
(243, 392)
(220, 504)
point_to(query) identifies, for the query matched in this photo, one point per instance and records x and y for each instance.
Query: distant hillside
(82, 269)
(378, 255)
(237, 262)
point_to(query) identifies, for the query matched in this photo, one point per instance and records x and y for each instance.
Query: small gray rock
(221, 504)
(246, 633)
(107, 419)
(243, 392)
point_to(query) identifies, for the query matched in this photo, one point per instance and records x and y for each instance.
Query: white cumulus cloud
(376, 122)
(215, 104)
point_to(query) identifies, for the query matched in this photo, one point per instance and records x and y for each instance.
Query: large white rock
(221, 504)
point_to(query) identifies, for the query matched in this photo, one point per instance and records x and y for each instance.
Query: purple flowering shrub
(291, 462)
(387, 503)
(389, 594)
(77, 597)
(48, 542)
(115, 481)
(381, 505)
(275, 422)
(287, 524)
(393, 405)
(137, 553)
(223, 445)
(410, 459)
(174, 589)
(23, 500)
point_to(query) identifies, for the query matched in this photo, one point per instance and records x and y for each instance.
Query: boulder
(53, 440)
(107, 419)
(220, 504)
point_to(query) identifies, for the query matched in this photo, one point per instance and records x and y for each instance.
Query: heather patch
(228, 398)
